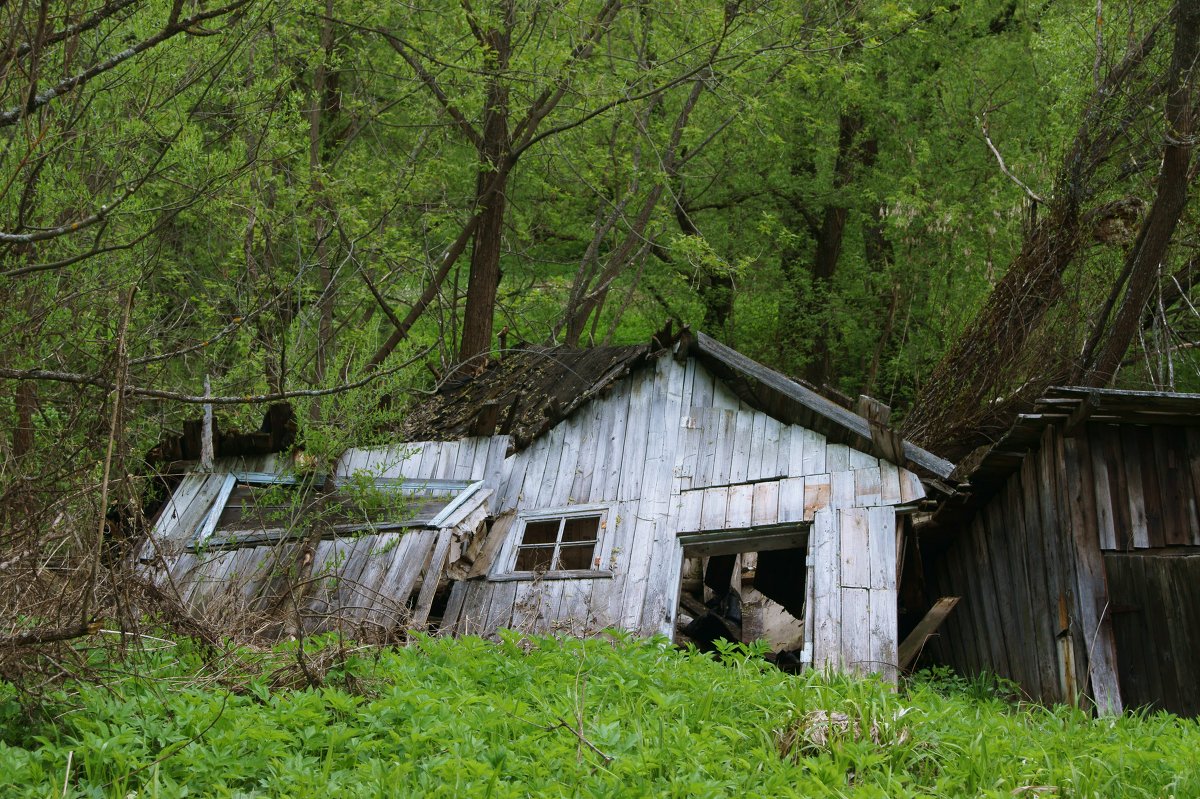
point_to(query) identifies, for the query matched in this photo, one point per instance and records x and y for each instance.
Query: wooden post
(207, 454)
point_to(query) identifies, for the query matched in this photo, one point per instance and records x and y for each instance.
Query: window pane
(534, 559)
(541, 532)
(575, 556)
(581, 528)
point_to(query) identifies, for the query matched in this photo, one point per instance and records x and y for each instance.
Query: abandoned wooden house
(1076, 553)
(635, 487)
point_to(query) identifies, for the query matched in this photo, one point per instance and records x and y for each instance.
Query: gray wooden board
(690, 506)
(889, 483)
(376, 557)
(791, 499)
(758, 441)
(726, 441)
(662, 578)
(881, 525)
(854, 548)
(1043, 600)
(653, 498)
(861, 460)
(433, 575)
(826, 590)
(618, 405)
(837, 457)
(769, 463)
(500, 607)
(454, 606)
(473, 616)
(867, 487)
(855, 630)
(814, 453)
(1092, 589)
(591, 425)
(817, 489)
(841, 489)
(882, 650)
(1007, 565)
(740, 507)
(743, 439)
(166, 525)
(713, 508)
(395, 586)
(703, 384)
(766, 503)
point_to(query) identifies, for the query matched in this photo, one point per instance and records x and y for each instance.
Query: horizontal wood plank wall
(1027, 557)
(364, 584)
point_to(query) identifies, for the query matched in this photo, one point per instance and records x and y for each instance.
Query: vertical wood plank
(856, 629)
(827, 592)
(814, 453)
(766, 503)
(837, 457)
(841, 489)
(742, 439)
(791, 500)
(855, 551)
(757, 449)
(861, 460)
(889, 483)
(868, 488)
(691, 503)
(739, 510)
(816, 494)
(712, 512)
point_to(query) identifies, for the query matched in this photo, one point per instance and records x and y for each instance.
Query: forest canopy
(945, 205)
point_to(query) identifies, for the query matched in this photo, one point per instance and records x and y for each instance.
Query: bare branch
(14, 115)
(1004, 167)
(199, 399)
(407, 53)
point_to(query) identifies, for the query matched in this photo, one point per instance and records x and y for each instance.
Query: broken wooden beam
(911, 648)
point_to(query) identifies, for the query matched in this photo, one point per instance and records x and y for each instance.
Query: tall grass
(561, 717)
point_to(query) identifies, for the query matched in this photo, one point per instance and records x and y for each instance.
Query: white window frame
(506, 564)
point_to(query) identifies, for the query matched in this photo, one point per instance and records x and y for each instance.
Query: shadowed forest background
(946, 206)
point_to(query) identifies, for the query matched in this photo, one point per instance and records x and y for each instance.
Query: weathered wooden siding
(673, 450)
(1145, 484)
(370, 582)
(1156, 622)
(1028, 566)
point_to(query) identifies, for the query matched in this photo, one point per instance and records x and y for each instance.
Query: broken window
(559, 542)
(252, 507)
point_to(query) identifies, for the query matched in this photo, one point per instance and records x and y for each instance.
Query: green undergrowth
(562, 717)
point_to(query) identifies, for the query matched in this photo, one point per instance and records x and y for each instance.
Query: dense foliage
(553, 717)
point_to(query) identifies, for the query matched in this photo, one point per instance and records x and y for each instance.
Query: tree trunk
(321, 100)
(1157, 231)
(829, 243)
(490, 200)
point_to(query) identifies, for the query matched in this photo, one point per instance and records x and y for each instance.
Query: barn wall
(1030, 573)
(1145, 480)
(1156, 597)
(672, 449)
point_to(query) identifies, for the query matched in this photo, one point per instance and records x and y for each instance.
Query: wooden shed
(1076, 551)
(564, 490)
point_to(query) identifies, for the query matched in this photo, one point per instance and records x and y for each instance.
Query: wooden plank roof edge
(852, 423)
(1083, 391)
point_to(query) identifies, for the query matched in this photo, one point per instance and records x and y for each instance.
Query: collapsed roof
(532, 388)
